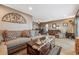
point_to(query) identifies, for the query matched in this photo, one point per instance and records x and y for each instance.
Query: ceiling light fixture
(30, 8)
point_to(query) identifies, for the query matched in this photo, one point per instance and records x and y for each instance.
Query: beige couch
(15, 40)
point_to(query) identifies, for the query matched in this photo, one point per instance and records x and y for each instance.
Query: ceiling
(47, 12)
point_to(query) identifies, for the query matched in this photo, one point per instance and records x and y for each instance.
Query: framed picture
(54, 25)
(65, 24)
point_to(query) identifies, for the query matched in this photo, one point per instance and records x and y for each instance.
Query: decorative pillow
(4, 35)
(25, 33)
(9, 35)
(14, 34)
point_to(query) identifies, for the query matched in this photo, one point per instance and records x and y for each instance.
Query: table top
(38, 43)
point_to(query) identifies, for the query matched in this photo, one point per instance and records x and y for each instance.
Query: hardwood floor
(68, 46)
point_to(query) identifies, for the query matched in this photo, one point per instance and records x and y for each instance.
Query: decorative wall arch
(14, 18)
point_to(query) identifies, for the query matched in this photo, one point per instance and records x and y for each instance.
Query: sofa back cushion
(14, 34)
(1, 38)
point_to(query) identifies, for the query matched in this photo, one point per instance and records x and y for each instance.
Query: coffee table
(38, 49)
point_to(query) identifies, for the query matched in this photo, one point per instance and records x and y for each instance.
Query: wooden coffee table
(38, 49)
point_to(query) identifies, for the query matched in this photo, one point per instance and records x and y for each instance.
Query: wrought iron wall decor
(14, 18)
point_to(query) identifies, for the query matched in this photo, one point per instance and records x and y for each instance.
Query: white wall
(14, 26)
(69, 28)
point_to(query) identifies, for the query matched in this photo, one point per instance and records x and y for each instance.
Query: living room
(33, 31)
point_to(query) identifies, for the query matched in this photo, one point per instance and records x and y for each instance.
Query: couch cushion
(14, 34)
(17, 41)
(1, 38)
